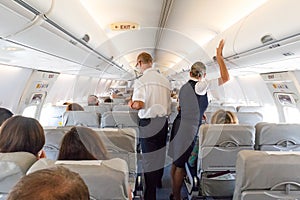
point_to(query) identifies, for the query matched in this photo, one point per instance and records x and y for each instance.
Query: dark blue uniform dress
(186, 124)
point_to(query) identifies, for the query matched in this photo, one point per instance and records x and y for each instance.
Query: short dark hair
(4, 115)
(20, 133)
(56, 183)
(74, 107)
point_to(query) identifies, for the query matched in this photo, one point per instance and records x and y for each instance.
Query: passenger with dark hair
(108, 100)
(25, 134)
(74, 107)
(82, 143)
(57, 183)
(193, 102)
(93, 100)
(4, 115)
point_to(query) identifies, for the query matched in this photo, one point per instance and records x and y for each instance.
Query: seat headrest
(14, 166)
(106, 179)
(217, 134)
(258, 170)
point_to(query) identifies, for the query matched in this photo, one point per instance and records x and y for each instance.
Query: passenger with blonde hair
(224, 117)
(219, 117)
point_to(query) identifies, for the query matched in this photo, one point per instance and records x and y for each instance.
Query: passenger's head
(82, 143)
(224, 117)
(198, 70)
(57, 183)
(74, 107)
(4, 115)
(108, 100)
(144, 61)
(93, 100)
(20, 133)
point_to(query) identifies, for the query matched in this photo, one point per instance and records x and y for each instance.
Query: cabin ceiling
(173, 31)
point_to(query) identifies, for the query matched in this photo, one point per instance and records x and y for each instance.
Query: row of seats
(251, 118)
(214, 108)
(106, 179)
(109, 119)
(120, 143)
(219, 146)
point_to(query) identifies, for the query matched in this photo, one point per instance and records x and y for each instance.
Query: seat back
(122, 108)
(13, 166)
(267, 175)
(220, 143)
(121, 143)
(251, 118)
(98, 109)
(277, 137)
(81, 118)
(249, 109)
(106, 179)
(214, 108)
(120, 119)
(53, 140)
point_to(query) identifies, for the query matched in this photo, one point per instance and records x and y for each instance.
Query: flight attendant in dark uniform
(192, 105)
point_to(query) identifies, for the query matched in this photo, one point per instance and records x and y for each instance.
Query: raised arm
(223, 69)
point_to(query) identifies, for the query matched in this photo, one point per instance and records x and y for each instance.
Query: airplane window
(30, 111)
(291, 114)
(286, 99)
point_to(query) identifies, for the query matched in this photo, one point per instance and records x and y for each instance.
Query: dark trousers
(153, 136)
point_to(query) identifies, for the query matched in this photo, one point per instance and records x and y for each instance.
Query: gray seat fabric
(81, 118)
(120, 119)
(106, 179)
(98, 109)
(250, 109)
(219, 145)
(214, 108)
(53, 139)
(13, 166)
(121, 143)
(277, 137)
(122, 108)
(251, 118)
(267, 175)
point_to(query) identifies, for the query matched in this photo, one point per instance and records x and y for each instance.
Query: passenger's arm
(136, 105)
(223, 69)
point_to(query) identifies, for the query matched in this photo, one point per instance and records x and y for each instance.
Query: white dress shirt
(155, 91)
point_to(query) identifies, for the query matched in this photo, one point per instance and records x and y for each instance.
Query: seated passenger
(74, 107)
(224, 117)
(82, 143)
(219, 117)
(108, 100)
(93, 100)
(4, 115)
(57, 183)
(25, 134)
